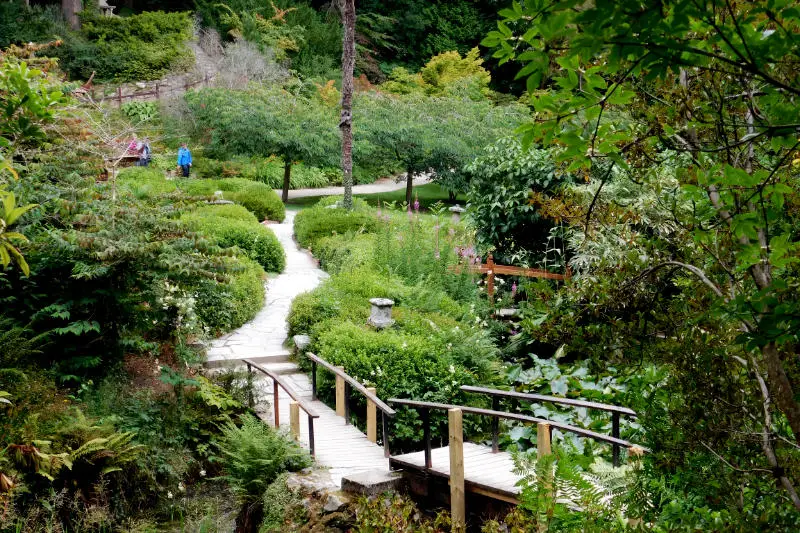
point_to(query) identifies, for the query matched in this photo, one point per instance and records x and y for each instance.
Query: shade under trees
(267, 122)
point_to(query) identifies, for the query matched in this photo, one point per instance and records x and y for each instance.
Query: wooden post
(313, 381)
(457, 498)
(294, 419)
(119, 97)
(157, 95)
(311, 435)
(495, 425)
(490, 277)
(372, 420)
(250, 401)
(543, 440)
(339, 393)
(615, 434)
(275, 405)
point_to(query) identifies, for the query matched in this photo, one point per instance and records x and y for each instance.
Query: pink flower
(416, 204)
(514, 290)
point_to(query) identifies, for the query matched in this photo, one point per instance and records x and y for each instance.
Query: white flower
(202, 473)
(452, 368)
(450, 347)
(405, 345)
(181, 488)
(169, 494)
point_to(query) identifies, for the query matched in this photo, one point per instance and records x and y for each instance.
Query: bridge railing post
(311, 435)
(275, 403)
(313, 381)
(426, 432)
(495, 425)
(385, 420)
(543, 439)
(294, 419)
(250, 400)
(340, 394)
(457, 497)
(615, 434)
(372, 422)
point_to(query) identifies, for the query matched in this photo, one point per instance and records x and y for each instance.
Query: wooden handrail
(550, 399)
(615, 410)
(425, 406)
(343, 384)
(353, 383)
(277, 381)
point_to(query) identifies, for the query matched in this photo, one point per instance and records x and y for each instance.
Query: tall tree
(348, 8)
(70, 9)
(265, 123)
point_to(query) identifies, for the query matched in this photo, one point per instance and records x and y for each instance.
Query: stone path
(342, 448)
(382, 185)
(263, 338)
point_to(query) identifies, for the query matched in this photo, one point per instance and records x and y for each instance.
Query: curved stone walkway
(263, 338)
(340, 448)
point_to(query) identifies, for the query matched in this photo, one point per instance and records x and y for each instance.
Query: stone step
(267, 358)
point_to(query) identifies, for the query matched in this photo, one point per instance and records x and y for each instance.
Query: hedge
(324, 220)
(255, 240)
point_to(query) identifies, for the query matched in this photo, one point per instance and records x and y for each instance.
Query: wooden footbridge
(467, 467)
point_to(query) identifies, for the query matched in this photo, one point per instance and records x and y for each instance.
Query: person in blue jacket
(184, 159)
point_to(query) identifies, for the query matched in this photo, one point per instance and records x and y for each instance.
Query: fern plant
(561, 494)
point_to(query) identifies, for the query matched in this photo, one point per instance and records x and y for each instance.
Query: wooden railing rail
(344, 383)
(496, 394)
(294, 407)
(424, 407)
(492, 269)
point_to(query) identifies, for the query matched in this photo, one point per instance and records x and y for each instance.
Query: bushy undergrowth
(261, 200)
(324, 220)
(139, 47)
(256, 240)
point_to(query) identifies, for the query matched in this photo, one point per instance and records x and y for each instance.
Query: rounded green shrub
(233, 211)
(255, 240)
(322, 220)
(259, 199)
(225, 305)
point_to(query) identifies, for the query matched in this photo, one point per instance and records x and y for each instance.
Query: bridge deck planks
(487, 473)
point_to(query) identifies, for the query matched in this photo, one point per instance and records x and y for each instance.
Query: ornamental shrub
(322, 220)
(255, 240)
(232, 211)
(398, 365)
(226, 305)
(260, 199)
(139, 47)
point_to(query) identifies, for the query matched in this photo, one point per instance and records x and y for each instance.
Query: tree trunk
(451, 195)
(287, 177)
(348, 8)
(409, 187)
(70, 9)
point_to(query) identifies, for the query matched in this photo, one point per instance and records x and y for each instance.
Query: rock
(333, 503)
(141, 85)
(372, 482)
(315, 482)
(301, 342)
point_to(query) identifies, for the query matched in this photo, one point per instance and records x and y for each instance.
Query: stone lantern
(107, 10)
(457, 210)
(380, 316)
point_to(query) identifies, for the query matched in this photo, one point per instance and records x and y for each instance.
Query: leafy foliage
(256, 240)
(139, 47)
(253, 454)
(325, 220)
(503, 181)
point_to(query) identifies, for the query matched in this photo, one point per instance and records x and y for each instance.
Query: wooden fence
(156, 93)
(492, 269)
